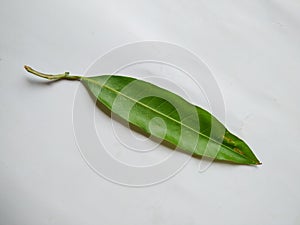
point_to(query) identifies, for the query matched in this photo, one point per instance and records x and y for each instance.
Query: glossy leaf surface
(167, 116)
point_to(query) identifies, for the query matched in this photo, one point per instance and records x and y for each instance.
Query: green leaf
(165, 115)
(185, 125)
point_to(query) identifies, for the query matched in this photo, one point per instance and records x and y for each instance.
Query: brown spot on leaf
(238, 151)
(228, 140)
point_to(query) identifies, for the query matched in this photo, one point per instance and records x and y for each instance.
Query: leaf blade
(140, 103)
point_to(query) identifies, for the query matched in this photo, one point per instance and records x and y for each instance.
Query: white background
(253, 50)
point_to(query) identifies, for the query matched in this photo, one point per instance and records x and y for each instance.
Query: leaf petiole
(65, 75)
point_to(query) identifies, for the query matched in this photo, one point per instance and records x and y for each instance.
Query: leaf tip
(259, 163)
(256, 163)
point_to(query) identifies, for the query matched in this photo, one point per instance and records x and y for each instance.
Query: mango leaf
(165, 115)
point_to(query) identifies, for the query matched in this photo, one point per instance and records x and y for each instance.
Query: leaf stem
(65, 75)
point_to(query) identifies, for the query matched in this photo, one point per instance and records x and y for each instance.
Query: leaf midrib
(140, 103)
